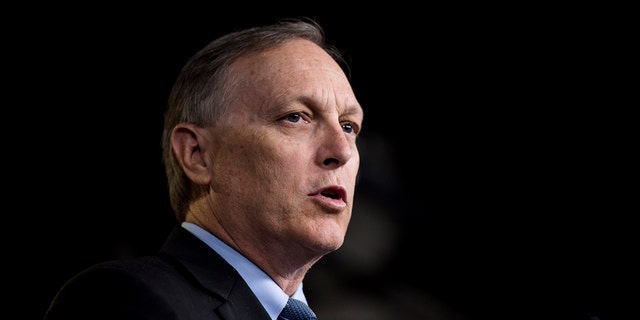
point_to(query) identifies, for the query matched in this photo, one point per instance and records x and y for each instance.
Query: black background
(497, 176)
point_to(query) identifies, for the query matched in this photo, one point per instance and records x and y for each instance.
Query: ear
(190, 145)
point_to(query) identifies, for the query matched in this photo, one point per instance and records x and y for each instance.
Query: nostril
(330, 161)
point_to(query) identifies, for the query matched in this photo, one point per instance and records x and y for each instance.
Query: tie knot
(297, 310)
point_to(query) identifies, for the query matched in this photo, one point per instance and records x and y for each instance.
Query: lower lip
(330, 203)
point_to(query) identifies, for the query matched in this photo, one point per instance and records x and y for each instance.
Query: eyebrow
(350, 110)
(354, 110)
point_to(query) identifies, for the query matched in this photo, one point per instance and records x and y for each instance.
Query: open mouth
(334, 193)
(330, 194)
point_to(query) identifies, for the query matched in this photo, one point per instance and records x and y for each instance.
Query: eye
(348, 127)
(294, 117)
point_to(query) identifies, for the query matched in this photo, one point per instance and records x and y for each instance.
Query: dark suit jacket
(186, 279)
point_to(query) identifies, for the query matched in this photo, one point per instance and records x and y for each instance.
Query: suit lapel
(214, 274)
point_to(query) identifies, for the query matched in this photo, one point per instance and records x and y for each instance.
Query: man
(261, 159)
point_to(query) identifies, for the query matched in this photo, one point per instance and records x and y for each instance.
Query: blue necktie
(296, 310)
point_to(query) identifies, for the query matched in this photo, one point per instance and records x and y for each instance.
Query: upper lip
(335, 192)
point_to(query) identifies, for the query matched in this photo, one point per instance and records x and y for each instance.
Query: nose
(336, 147)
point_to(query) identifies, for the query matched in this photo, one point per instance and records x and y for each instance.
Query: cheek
(278, 170)
(353, 169)
(256, 166)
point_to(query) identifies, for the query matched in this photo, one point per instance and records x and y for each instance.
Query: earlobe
(189, 146)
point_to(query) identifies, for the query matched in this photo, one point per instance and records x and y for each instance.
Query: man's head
(260, 141)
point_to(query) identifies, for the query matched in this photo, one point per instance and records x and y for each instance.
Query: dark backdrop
(496, 176)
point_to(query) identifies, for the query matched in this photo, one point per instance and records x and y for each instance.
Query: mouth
(336, 193)
(333, 198)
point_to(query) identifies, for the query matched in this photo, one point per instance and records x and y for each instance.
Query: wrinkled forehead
(288, 64)
(289, 71)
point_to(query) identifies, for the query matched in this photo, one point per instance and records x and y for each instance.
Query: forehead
(297, 71)
(288, 64)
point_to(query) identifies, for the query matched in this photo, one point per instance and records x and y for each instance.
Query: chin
(327, 236)
(330, 243)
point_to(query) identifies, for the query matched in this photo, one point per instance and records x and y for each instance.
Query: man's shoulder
(141, 269)
(151, 286)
